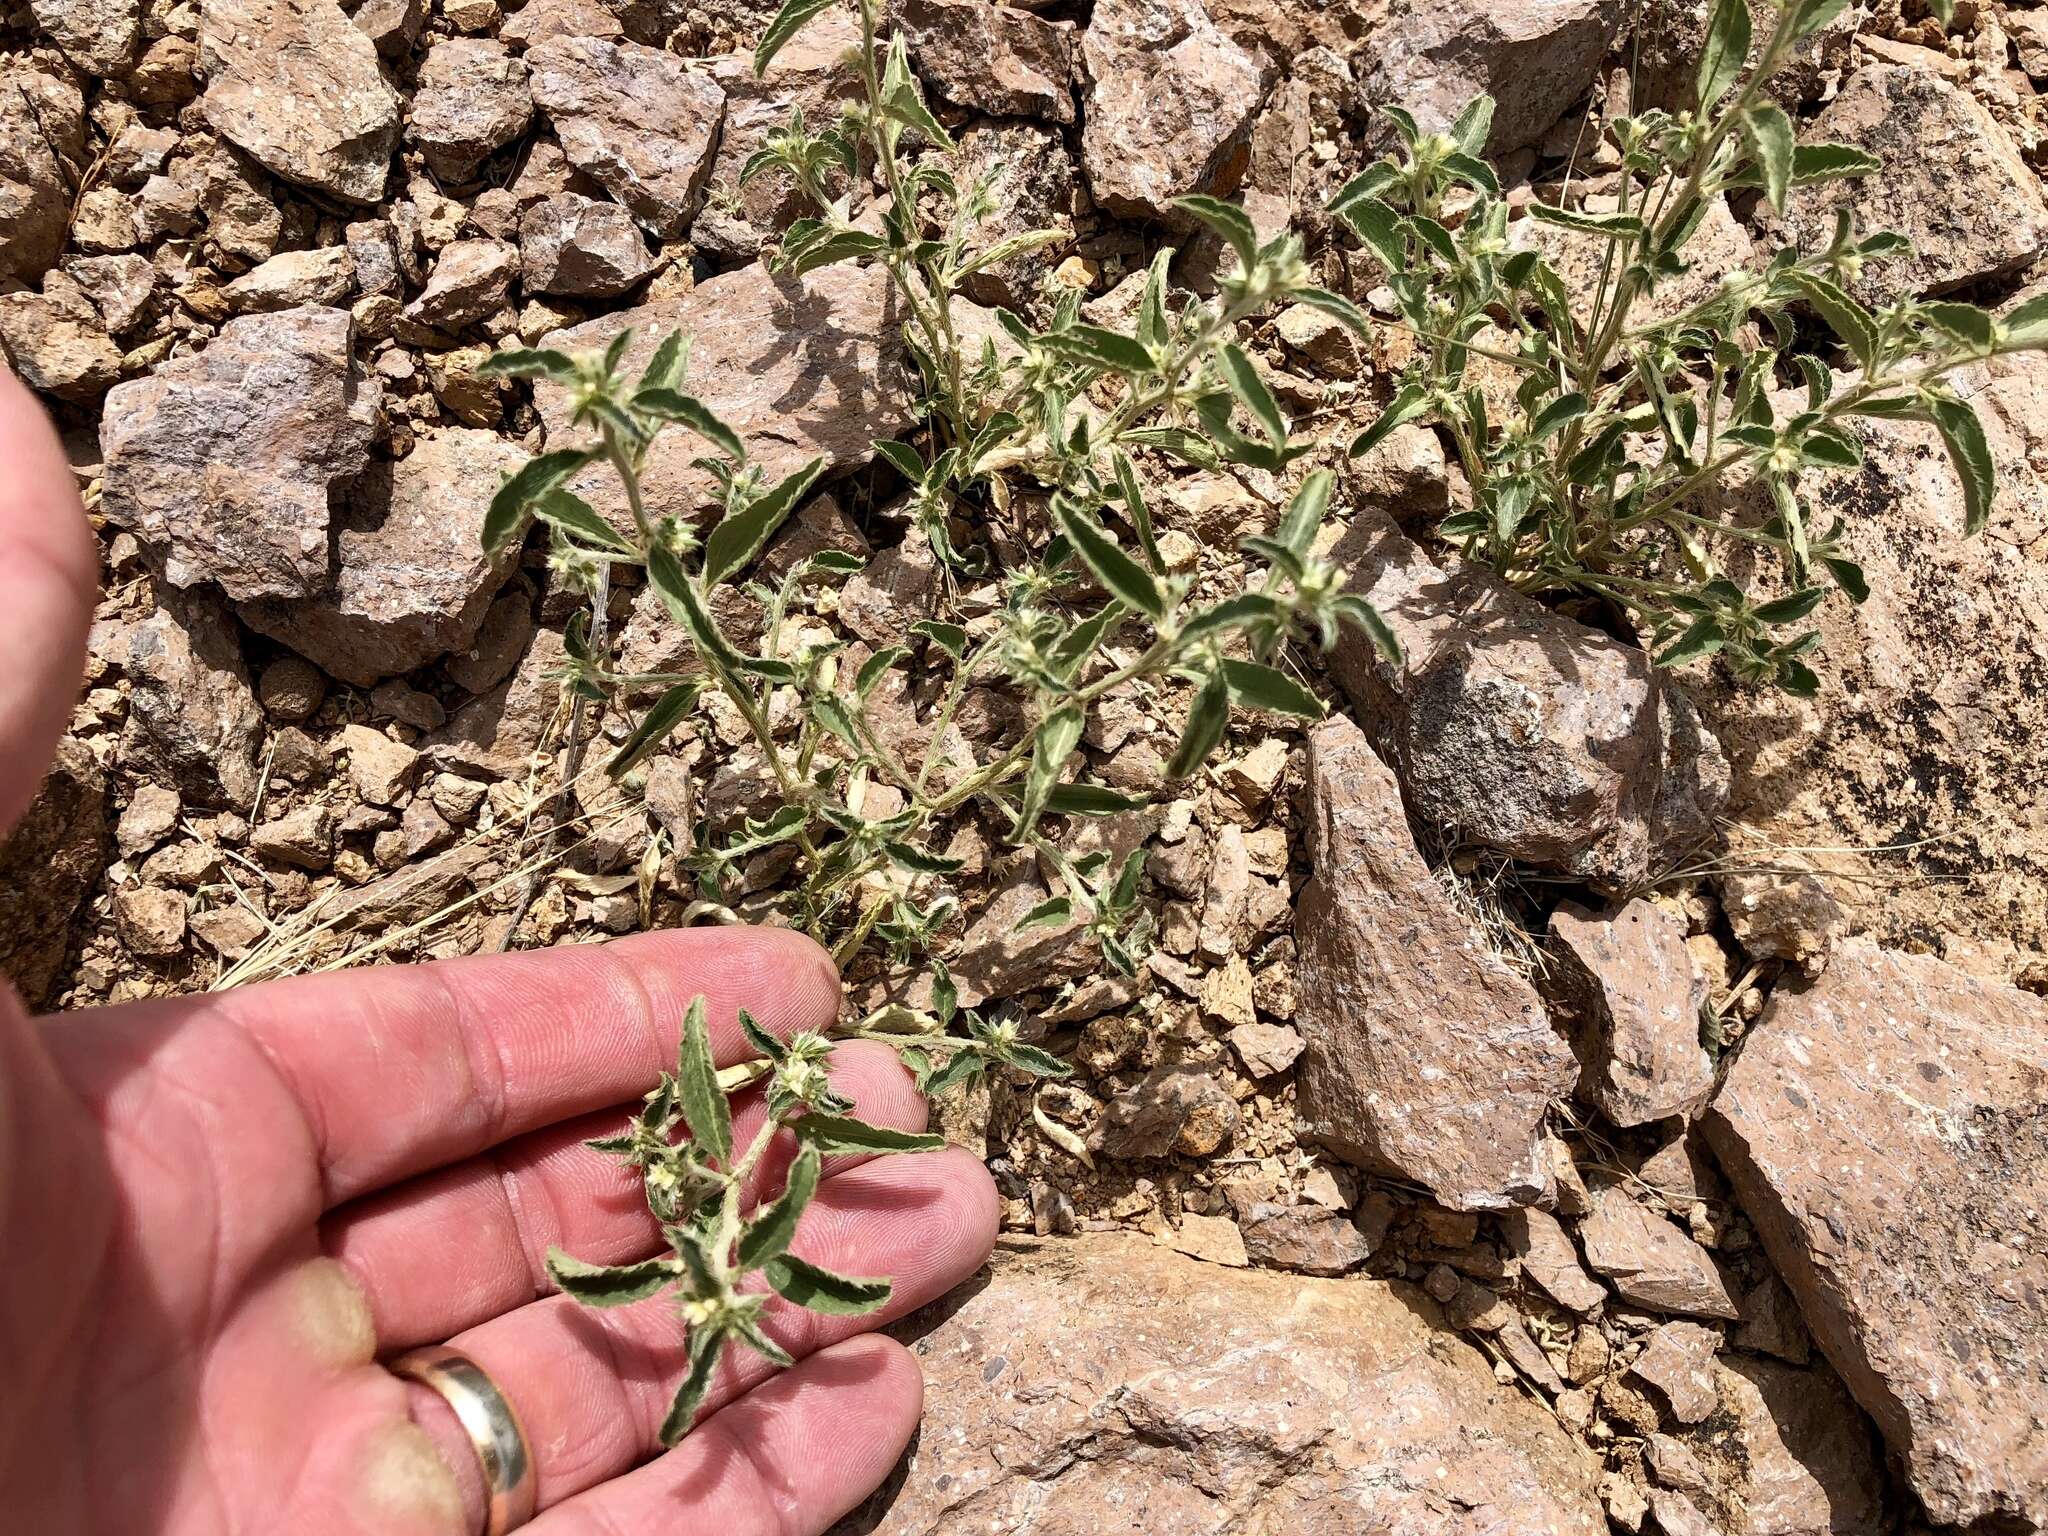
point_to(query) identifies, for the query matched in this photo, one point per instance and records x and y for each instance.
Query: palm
(219, 1213)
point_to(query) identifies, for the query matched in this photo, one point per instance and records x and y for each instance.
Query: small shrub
(1593, 487)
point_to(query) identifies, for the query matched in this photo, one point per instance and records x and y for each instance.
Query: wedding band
(492, 1426)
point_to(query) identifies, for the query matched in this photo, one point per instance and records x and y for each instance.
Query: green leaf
(705, 1111)
(534, 480)
(908, 461)
(1831, 162)
(1845, 316)
(1120, 575)
(1565, 408)
(1790, 610)
(1963, 435)
(735, 542)
(1093, 347)
(950, 638)
(919, 862)
(1702, 639)
(1473, 171)
(1228, 220)
(1377, 224)
(694, 414)
(790, 20)
(1474, 122)
(1207, 722)
(1409, 402)
(761, 1040)
(679, 595)
(528, 363)
(1262, 687)
(872, 669)
(839, 1135)
(823, 1290)
(1304, 515)
(1248, 610)
(665, 369)
(1725, 52)
(1136, 509)
(2027, 325)
(1771, 138)
(573, 515)
(1089, 800)
(706, 1344)
(1054, 912)
(655, 727)
(1615, 226)
(1058, 734)
(1358, 611)
(1251, 391)
(769, 1234)
(1966, 322)
(1333, 304)
(609, 1285)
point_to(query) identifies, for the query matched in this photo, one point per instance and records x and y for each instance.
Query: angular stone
(1427, 1057)
(150, 920)
(993, 58)
(1771, 1324)
(192, 716)
(1952, 183)
(1032, 180)
(472, 100)
(1171, 101)
(1533, 57)
(812, 74)
(1887, 1132)
(1266, 1049)
(381, 769)
(1678, 1360)
(1212, 1239)
(122, 288)
(1548, 1258)
(1628, 979)
(638, 120)
(295, 84)
(223, 462)
(1799, 1457)
(411, 581)
(1304, 1238)
(42, 147)
(97, 35)
(1172, 1110)
(56, 341)
(1521, 729)
(471, 281)
(798, 367)
(1650, 1261)
(1173, 1374)
(303, 838)
(581, 247)
(287, 281)
(496, 733)
(49, 864)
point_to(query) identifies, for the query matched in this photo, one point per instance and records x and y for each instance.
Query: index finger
(393, 1072)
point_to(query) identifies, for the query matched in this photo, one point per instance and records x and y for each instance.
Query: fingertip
(979, 1204)
(784, 979)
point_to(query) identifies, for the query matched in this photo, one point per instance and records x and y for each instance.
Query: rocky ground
(1562, 1095)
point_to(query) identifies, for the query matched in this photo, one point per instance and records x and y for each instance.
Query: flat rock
(497, 732)
(223, 462)
(1098, 1383)
(471, 281)
(1952, 183)
(411, 581)
(290, 279)
(1426, 1056)
(56, 341)
(49, 864)
(1678, 1360)
(635, 119)
(1791, 1454)
(1176, 1109)
(1305, 1238)
(1534, 57)
(580, 247)
(1519, 728)
(472, 100)
(97, 35)
(993, 58)
(1884, 1130)
(798, 367)
(1649, 1260)
(1171, 101)
(1628, 979)
(42, 148)
(1548, 1257)
(296, 84)
(193, 720)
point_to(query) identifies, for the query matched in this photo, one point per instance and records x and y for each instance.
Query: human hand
(219, 1213)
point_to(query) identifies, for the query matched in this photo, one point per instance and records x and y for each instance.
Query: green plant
(1597, 481)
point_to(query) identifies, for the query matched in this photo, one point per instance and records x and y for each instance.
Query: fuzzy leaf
(694, 414)
(1409, 402)
(1845, 317)
(1252, 393)
(1089, 800)
(655, 727)
(790, 20)
(528, 363)
(705, 1111)
(1963, 435)
(823, 1290)
(1334, 304)
(1136, 508)
(679, 595)
(1207, 722)
(1054, 912)
(769, 1234)
(534, 480)
(837, 1135)
(705, 1347)
(1228, 220)
(1120, 575)
(1726, 51)
(735, 542)
(1771, 139)
(609, 1285)
(1615, 226)
(1058, 734)
(1304, 515)
(1261, 687)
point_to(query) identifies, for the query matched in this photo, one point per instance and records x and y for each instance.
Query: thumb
(49, 578)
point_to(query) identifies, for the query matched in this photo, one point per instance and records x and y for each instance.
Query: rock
(581, 247)
(147, 819)
(995, 961)
(1170, 105)
(392, 25)
(637, 120)
(323, 276)
(1427, 1057)
(1782, 915)
(798, 367)
(1303, 1238)
(1952, 183)
(472, 100)
(56, 341)
(1771, 1325)
(1227, 995)
(1678, 1360)
(992, 58)
(497, 732)
(291, 688)
(497, 647)
(1172, 1110)
(1798, 1456)
(150, 921)
(49, 864)
(1032, 181)
(1519, 728)
(380, 769)
(99, 36)
(1719, 245)
(471, 281)
(1884, 1131)
(192, 717)
(1212, 1239)
(1170, 1373)
(1677, 1515)
(295, 84)
(812, 74)
(1630, 982)
(1265, 1049)
(122, 288)
(411, 580)
(303, 838)
(42, 149)
(167, 74)
(223, 462)
(1548, 1258)
(1223, 897)
(1533, 57)
(899, 587)
(1650, 1261)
